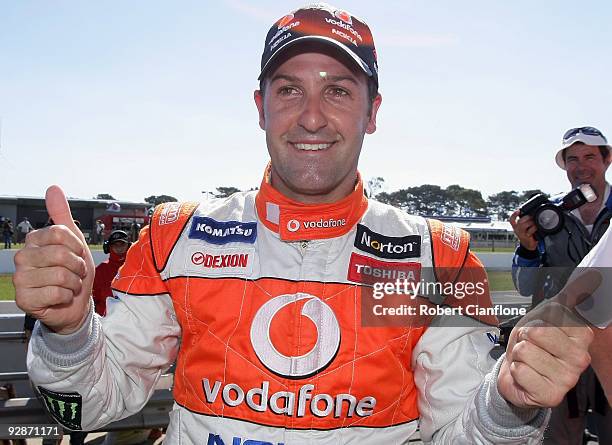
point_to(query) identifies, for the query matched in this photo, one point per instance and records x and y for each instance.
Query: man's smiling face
(585, 164)
(315, 110)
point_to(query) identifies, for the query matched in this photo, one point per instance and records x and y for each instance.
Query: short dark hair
(603, 150)
(372, 92)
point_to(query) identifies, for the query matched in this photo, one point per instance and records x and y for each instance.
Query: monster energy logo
(65, 407)
(62, 408)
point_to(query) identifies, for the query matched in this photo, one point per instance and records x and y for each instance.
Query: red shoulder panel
(455, 263)
(450, 246)
(167, 224)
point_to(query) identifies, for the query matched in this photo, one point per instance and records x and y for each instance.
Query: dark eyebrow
(294, 79)
(286, 77)
(342, 78)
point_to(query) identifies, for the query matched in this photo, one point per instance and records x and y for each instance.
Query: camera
(548, 214)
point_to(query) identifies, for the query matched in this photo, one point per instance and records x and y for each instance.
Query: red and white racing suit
(262, 301)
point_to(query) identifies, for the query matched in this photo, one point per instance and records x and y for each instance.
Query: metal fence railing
(30, 410)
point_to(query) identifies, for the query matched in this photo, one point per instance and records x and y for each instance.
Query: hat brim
(358, 60)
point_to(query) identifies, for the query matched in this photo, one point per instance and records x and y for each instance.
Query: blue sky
(149, 97)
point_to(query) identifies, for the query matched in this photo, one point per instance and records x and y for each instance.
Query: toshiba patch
(211, 261)
(366, 270)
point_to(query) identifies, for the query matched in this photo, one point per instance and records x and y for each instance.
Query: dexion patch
(210, 261)
(391, 247)
(66, 407)
(222, 232)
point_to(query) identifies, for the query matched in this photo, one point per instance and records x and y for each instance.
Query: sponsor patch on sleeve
(222, 232)
(65, 407)
(451, 236)
(391, 247)
(170, 213)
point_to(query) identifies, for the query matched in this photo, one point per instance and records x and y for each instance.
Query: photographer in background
(585, 156)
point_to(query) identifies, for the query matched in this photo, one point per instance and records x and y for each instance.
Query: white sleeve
(457, 383)
(108, 369)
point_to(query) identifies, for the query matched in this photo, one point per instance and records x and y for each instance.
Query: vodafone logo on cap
(344, 16)
(324, 350)
(285, 20)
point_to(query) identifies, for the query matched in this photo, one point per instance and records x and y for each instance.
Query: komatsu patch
(223, 232)
(65, 407)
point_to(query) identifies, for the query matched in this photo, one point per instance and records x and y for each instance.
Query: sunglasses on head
(590, 131)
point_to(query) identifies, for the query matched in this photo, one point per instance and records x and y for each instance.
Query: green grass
(7, 291)
(497, 249)
(500, 280)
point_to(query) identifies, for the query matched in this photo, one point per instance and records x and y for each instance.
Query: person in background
(116, 246)
(99, 232)
(585, 156)
(134, 231)
(7, 233)
(23, 228)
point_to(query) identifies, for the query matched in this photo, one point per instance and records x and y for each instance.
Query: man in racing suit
(268, 293)
(541, 267)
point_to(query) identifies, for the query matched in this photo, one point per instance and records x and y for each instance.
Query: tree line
(221, 192)
(426, 199)
(454, 200)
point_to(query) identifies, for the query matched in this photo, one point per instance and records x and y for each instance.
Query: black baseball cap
(118, 236)
(323, 23)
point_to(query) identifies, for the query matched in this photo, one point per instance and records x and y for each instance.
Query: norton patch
(222, 232)
(66, 407)
(391, 247)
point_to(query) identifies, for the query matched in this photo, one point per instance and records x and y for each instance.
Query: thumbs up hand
(54, 271)
(549, 348)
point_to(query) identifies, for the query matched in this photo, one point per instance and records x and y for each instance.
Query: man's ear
(259, 103)
(371, 128)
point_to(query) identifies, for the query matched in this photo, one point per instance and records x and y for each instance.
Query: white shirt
(576, 212)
